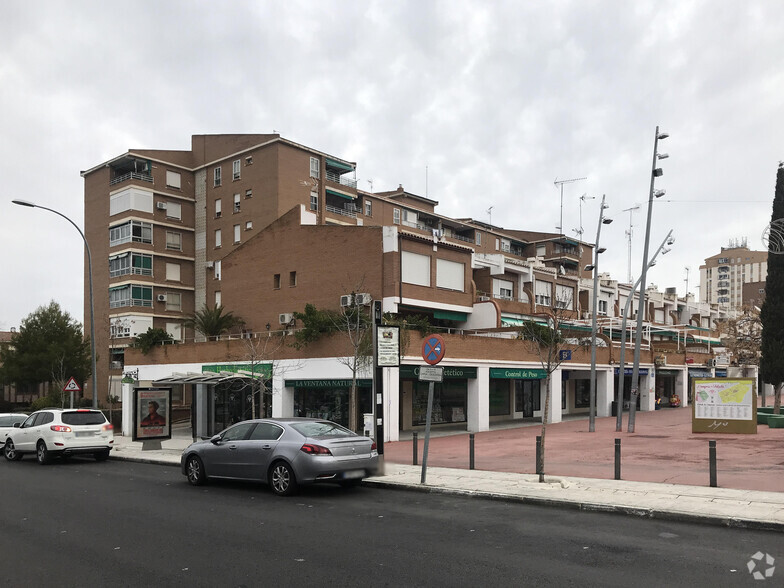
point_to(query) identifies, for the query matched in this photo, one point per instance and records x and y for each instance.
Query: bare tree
(262, 351)
(547, 341)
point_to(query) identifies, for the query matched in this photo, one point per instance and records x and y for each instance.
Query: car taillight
(373, 447)
(107, 427)
(60, 429)
(313, 449)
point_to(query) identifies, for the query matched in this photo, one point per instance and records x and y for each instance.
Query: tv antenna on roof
(560, 183)
(490, 216)
(579, 232)
(629, 237)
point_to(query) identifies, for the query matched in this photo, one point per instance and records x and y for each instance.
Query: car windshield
(322, 429)
(84, 417)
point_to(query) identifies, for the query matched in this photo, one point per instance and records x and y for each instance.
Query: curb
(590, 507)
(149, 460)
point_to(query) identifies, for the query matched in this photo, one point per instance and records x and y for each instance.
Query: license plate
(353, 474)
(85, 434)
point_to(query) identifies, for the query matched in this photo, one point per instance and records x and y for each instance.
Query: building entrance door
(524, 397)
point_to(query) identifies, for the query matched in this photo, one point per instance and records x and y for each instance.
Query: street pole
(596, 252)
(622, 357)
(92, 304)
(655, 172)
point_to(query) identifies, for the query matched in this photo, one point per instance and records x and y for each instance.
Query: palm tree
(213, 322)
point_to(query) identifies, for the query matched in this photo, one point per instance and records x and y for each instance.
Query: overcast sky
(475, 104)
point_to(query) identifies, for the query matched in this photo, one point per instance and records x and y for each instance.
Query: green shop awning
(450, 315)
(339, 194)
(517, 374)
(450, 372)
(343, 167)
(260, 369)
(362, 383)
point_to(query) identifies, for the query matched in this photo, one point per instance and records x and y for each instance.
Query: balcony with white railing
(130, 176)
(338, 179)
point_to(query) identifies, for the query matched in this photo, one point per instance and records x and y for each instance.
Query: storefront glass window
(449, 402)
(499, 398)
(582, 393)
(329, 403)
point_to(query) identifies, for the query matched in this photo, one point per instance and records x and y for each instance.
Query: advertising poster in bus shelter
(723, 405)
(152, 414)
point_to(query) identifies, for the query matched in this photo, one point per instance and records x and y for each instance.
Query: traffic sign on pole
(433, 349)
(72, 386)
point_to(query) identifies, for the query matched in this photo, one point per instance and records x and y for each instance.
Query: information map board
(724, 405)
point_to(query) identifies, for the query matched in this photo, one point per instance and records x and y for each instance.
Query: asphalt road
(118, 523)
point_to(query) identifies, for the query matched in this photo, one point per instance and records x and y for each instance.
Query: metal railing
(131, 176)
(341, 211)
(338, 179)
(139, 271)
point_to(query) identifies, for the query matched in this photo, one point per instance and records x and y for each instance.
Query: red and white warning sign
(72, 386)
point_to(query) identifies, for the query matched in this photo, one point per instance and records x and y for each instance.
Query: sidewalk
(719, 506)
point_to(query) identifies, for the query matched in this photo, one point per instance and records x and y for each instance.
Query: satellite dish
(561, 270)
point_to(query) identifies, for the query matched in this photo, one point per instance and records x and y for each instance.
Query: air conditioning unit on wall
(161, 297)
(285, 318)
(345, 300)
(161, 206)
(363, 298)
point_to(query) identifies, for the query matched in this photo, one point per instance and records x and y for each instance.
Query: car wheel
(194, 470)
(101, 455)
(282, 479)
(10, 452)
(41, 453)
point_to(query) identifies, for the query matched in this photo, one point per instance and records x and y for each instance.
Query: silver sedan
(283, 453)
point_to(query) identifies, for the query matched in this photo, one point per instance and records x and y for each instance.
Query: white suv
(55, 431)
(7, 422)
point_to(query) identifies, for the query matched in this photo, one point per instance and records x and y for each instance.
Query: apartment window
(541, 250)
(173, 241)
(292, 279)
(216, 176)
(173, 301)
(237, 204)
(173, 272)
(314, 200)
(218, 208)
(131, 198)
(396, 216)
(543, 293)
(174, 210)
(314, 167)
(450, 275)
(276, 281)
(478, 240)
(249, 193)
(173, 180)
(602, 310)
(130, 263)
(218, 238)
(249, 225)
(564, 297)
(368, 208)
(237, 233)
(175, 331)
(217, 271)
(135, 231)
(217, 298)
(503, 289)
(235, 169)
(415, 268)
(249, 160)
(130, 295)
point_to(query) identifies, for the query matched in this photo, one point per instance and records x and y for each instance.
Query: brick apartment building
(263, 226)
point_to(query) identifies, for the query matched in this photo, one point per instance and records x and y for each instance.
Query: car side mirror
(215, 439)
(17, 425)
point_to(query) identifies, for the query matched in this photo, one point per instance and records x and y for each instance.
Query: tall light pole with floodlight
(595, 268)
(92, 305)
(668, 240)
(655, 173)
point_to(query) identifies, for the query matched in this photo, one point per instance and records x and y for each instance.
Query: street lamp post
(655, 173)
(90, 275)
(595, 268)
(668, 240)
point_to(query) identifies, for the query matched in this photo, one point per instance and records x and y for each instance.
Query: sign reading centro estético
(517, 374)
(450, 372)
